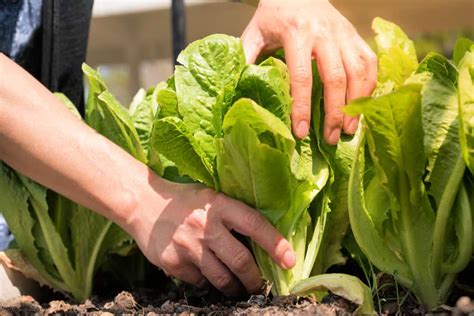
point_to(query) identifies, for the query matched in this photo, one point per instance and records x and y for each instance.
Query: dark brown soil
(141, 303)
(160, 295)
(200, 302)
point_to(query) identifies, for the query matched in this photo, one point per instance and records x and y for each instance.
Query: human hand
(190, 237)
(309, 29)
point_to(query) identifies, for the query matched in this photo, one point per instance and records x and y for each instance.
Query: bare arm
(184, 229)
(41, 139)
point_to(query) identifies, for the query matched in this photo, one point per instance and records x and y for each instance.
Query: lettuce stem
(442, 217)
(423, 285)
(464, 234)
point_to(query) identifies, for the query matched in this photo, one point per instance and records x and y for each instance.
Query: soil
(126, 303)
(183, 300)
(192, 301)
(161, 295)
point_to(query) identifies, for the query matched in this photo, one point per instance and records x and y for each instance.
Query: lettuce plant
(227, 125)
(408, 203)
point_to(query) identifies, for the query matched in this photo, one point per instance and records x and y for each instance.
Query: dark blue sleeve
(19, 21)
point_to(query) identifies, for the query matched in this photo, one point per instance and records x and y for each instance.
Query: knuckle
(241, 261)
(300, 108)
(337, 78)
(208, 194)
(181, 239)
(297, 24)
(197, 220)
(335, 117)
(218, 199)
(371, 57)
(223, 281)
(302, 76)
(169, 263)
(254, 221)
(358, 72)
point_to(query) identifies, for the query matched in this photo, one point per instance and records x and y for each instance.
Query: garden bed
(176, 298)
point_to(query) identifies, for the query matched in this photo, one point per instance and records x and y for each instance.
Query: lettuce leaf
(396, 54)
(466, 107)
(108, 117)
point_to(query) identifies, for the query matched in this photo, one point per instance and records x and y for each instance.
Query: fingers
(252, 42)
(218, 275)
(333, 75)
(298, 59)
(249, 222)
(371, 66)
(238, 259)
(361, 69)
(172, 264)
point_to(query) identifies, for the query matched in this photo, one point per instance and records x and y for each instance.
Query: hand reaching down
(191, 238)
(314, 29)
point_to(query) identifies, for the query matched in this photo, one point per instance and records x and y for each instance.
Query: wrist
(142, 204)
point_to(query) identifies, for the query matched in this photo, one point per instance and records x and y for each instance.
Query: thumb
(252, 42)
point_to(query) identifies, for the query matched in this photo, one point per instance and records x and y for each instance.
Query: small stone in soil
(125, 300)
(258, 300)
(465, 305)
(57, 307)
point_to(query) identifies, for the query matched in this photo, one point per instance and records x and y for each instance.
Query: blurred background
(132, 40)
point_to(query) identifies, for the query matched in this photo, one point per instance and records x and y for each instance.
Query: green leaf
(137, 99)
(254, 172)
(108, 117)
(52, 239)
(92, 239)
(268, 85)
(369, 239)
(461, 47)
(206, 82)
(395, 135)
(68, 103)
(340, 159)
(166, 100)
(113, 121)
(440, 120)
(344, 285)
(466, 107)
(396, 53)
(64, 242)
(268, 127)
(143, 115)
(171, 138)
(15, 204)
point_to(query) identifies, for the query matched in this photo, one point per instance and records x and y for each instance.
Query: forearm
(42, 140)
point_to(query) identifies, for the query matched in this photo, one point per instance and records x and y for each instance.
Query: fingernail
(302, 129)
(352, 128)
(334, 136)
(289, 259)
